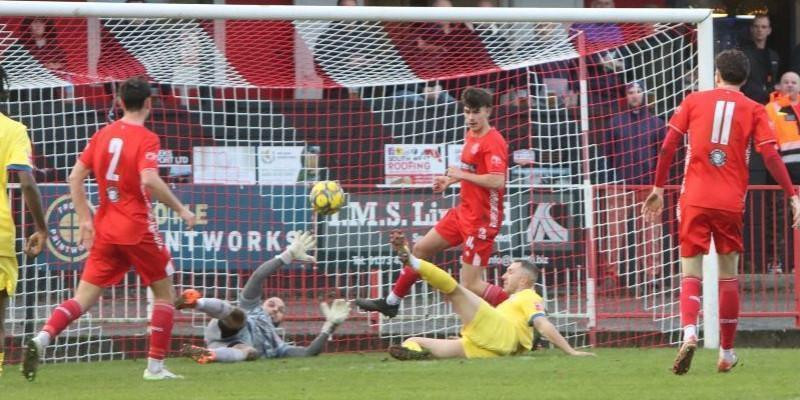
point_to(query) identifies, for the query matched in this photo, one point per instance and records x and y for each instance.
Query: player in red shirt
(476, 220)
(124, 159)
(721, 124)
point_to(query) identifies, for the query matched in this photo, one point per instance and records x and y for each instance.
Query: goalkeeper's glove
(304, 242)
(334, 314)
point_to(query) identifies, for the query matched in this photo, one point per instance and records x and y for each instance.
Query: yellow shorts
(489, 334)
(8, 274)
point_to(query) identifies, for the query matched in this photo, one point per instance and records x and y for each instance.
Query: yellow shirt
(520, 309)
(15, 154)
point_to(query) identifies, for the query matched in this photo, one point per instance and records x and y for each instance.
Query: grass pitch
(615, 374)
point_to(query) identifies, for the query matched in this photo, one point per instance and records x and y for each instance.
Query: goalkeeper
(248, 332)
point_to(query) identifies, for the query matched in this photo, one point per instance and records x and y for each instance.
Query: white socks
(214, 308)
(689, 331)
(392, 299)
(727, 355)
(414, 262)
(155, 366)
(42, 339)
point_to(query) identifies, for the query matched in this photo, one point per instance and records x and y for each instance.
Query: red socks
(408, 277)
(691, 288)
(160, 329)
(494, 295)
(62, 316)
(728, 311)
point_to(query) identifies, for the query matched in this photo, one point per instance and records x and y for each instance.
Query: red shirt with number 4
(117, 154)
(721, 125)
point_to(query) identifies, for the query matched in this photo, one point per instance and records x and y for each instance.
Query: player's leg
(727, 228)
(232, 317)
(235, 353)
(224, 342)
(86, 295)
(421, 348)
(161, 323)
(728, 309)
(153, 263)
(465, 303)
(474, 258)
(695, 239)
(8, 284)
(426, 248)
(443, 236)
(3, 305)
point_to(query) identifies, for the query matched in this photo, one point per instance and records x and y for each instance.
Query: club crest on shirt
(718, 157)
(113, 193)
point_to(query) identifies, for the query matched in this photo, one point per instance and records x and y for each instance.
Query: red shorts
(108, 263)
(478, 241)
(697, 224)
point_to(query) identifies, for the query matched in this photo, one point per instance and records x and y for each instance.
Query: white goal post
(581, 188)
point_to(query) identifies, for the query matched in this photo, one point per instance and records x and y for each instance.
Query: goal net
(251, 112)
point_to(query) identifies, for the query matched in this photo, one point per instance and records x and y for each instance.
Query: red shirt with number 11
(721, 125)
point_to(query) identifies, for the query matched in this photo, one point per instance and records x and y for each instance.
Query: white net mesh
(251, 112)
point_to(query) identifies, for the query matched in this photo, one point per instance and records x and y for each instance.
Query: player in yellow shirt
(15, 154)
(487, 331)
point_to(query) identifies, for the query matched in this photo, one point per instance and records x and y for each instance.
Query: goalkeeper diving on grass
(249, 332)
(487, 331)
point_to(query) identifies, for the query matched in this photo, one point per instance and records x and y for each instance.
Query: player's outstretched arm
(546, 328)
(335, 315)
(298, 250)
(161, 192)
(33, 199)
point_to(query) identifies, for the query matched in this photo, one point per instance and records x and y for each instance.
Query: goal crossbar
(333, 13)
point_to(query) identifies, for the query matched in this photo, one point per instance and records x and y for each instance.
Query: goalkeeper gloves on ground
(334, 314)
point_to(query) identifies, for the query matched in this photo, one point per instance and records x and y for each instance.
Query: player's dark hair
(3, 84)
(733, 66)
(530, 268)
(133, 92)
(476, 98)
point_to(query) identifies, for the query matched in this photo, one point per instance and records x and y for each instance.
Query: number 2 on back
(115, 148)
(723, 115)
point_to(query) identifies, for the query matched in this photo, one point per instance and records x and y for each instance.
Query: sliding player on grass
(248, 332)
(476, 220)
(124, 159)
(487, 331)
(721, 124)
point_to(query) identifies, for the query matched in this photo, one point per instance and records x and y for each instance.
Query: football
(327, 197)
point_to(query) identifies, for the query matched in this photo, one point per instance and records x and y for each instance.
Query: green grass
(614, 374)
